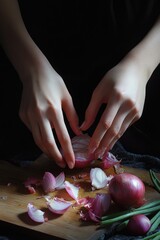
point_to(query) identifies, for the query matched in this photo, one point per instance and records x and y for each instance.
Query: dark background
(82, 40)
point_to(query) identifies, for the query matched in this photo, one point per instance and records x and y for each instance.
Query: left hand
(122, 89)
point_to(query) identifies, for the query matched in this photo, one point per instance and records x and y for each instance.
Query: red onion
(101, 204)
(127, 190)
(109, 160)
(80, 147)
(95, 207)
(138, 225)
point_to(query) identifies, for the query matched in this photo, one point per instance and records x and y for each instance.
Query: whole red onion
(127, 190)
(138, 225)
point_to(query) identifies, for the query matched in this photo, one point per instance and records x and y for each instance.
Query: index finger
(104, 124)
(64, 138)
(43, 135)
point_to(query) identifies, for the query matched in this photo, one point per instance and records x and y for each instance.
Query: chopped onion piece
(96, 207)
(93, 216)
(48, 182)
(101, 204)
(98, 178)
(36, 214)
(30, 183)
(60, 181)
(31, 189)
(58, 205)
(86, 201)
(71, 189)
(109, 160)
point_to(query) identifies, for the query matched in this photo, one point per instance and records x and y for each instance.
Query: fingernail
(62, 165)
(83, 125)
(71, 165)
(91, 150)
(79, 132)
(100, 152)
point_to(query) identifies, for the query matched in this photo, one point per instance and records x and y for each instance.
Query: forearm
(15, 40)
(147, 52)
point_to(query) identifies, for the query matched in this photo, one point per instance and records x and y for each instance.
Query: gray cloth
(143, 161)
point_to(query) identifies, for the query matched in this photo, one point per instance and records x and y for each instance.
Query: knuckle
(114, 132)
(118, 94)
(54, 108)
(95, 144)
(119, 135)
(131, 104)
(65, 140)
(136, 112)
(106, 124)
(48, 142)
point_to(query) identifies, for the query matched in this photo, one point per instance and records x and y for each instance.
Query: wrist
(147, 52)
(25, 56)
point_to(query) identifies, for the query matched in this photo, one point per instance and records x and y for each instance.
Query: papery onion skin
(109, 160)
(138, 225)
(101, 204)
(127, 190)
(95, 207)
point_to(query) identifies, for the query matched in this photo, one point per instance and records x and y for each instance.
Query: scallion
(124, 215)
(155, 180)
(154, 236)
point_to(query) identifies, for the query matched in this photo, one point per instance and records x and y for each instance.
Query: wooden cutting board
(14, 199)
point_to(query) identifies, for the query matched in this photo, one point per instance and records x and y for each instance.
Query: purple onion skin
(127, 190)
(138, 225)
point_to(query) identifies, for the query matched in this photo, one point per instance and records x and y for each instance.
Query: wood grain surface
(14, 199)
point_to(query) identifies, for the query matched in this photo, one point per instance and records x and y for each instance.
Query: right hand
(44, 99)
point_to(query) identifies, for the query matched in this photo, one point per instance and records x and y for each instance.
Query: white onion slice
(98, 178)
(58, 205)
(71, 189)
(36, 214)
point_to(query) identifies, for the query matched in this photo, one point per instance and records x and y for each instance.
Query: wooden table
(14, 199)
